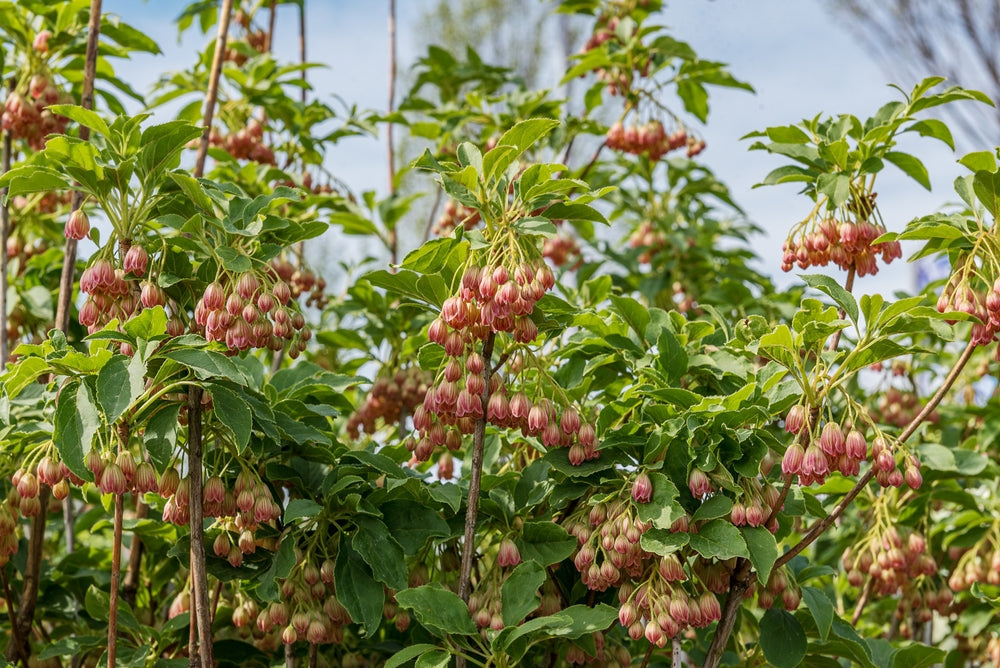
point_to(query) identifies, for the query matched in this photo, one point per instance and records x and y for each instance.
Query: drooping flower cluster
(846, 244)
(308, 608)
(651, 139)
(492, 299)
(26, 114)
(390, 399)
(984, 304)
(247, 143)
(248, 312)
(891, 555)
(816, 453)
(453, 215)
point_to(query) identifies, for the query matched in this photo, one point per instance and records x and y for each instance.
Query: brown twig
(213, 85)
(201, 614)
(475, 478)
(116, 574)
(647, 656)
(289, 656)
(216, 597)
(313, 655)
(863, 601)
(4, 234)
(393, 240)
(272, 19)
(14, 630)
(130, 584)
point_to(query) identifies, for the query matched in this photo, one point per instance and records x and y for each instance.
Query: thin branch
(646, 657)
(201, 614)
(475, 478)
(863, 601)
(4, 260)
(390, 148)
(116, 575)
(130, 584)
(14, 630)
(213, 85)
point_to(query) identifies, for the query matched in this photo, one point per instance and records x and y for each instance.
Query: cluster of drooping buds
(779, 586)
(110, 295)
(984, 304)
(651, 139)
(26, 114)
(816, 453)
(618, 80)
(920, 601)
(484, 605)
(245, 312)
(756, 506)
(492, 299)
(979, 563)
(8, 526)
(247, 143)
(665, 603)
(453, 215)
(560, 249)
(390, 400)
(255, 39)
(608, 542)
(846, 244)
(648, 238)
(899, 407)
(308, 608)
(121, 474)
(892, 556)
(301, 281)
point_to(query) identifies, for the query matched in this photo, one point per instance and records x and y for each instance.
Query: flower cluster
(308, 608)
(26, 114)
(651, 139)
(390, 399)
(455, 214)
(892, 556)
(247, 143)
(248, 312)
(847, 244)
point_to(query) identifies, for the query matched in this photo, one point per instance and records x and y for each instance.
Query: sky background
(799, 57)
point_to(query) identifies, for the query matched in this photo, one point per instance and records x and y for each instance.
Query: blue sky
(800, 60)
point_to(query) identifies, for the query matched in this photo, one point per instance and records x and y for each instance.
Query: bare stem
(390, 147)
(213, 85)
(202, 614)
(269, 44)
(647, 656)
(302, 45)
(130, 584)
(475, 478)
(14, 630)
(4, 234)
(863, 601)
(116, 575)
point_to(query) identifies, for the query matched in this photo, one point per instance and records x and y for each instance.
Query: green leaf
(524, 135)
(161, 435)
(837, 187)
(662, 541)
(232, 411)
(119, 383)
(911, 166)
(77, 420)
(519, 593)
(842, 297)
(713, 507)
(545, 542)
(360, 593)
(412, 524)
(407, 654)
(301, 508)
(376, 545)
(83, 116)
(695, 98)
(441, 611)
(987, 188)
(782, 639)
(209, 365)
(719, 539)
(980, 161)
(821, 607)
(932, 127)
(917, 656)
(763, 550)
(634, 313)
(439, 658)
